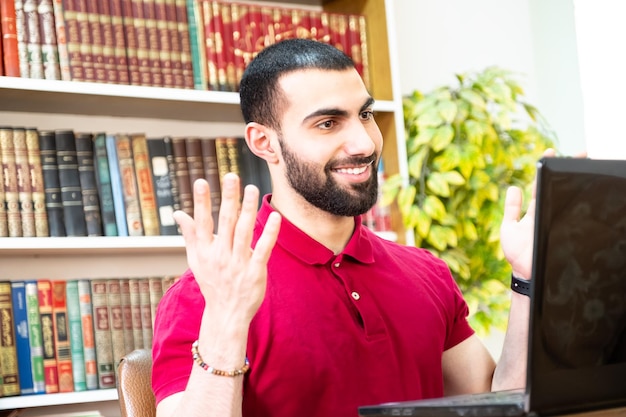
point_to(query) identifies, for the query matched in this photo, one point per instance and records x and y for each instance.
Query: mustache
(357, 160)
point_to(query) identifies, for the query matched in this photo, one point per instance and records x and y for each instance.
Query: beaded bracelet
(198, 359)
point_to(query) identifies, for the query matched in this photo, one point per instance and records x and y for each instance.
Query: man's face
(329, 140)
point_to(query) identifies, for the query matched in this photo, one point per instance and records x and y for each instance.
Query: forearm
(511, 368)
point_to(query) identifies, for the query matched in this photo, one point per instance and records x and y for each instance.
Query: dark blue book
(22, 344)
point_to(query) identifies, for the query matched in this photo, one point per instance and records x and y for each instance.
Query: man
(322, 315)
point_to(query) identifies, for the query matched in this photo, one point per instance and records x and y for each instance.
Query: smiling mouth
(354, 170)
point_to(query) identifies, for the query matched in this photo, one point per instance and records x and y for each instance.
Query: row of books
(201, 44)
(69, 335)
(65, 183)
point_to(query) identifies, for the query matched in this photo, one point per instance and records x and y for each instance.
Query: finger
(229, 209)
(266, 242)
(187, 228)
(512, 205)
(202, 210)
(247, 217)
(549, 153)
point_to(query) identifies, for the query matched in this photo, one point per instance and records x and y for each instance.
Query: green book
(196, 33)
(103, 182)
(35, 336)
(76, 335)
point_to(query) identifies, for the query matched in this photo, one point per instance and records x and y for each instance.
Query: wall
(534, 38)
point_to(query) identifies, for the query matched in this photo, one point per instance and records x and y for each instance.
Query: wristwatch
(520, 286)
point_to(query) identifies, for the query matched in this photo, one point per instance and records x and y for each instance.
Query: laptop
(577, 338)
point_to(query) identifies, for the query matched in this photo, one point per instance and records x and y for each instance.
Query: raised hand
(232, 276)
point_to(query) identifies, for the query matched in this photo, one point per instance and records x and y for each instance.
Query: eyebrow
(336, 111)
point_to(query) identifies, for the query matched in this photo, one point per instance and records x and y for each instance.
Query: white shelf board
(122, 245)
(27, 401)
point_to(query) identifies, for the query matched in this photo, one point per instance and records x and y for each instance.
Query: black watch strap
(520, 286)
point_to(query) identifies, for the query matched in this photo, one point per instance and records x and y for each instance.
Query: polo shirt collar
(304, 247)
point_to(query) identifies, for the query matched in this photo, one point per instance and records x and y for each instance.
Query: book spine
(102, 334)
(51, 372)
(146, 312)
(103, 16)
(212, 175)
(171, 166)
(238, 23)
(86, 40)
(175, 47)
(8, 351)
(62, 336)
(165, 47)
(221, 152)
(161, 179)
(72, 32)
(154, 46)
(135, 304)
(69, 180)
(22, 344)
(232, 151)
(76, 336)
(364, 52)
(103, 184)
(221, 45)
(7, 154)
(49, 48)
(129, 185)
(60, 30)
(124, 47)
(24, 188)
(156, 293)
(33, 40)
(52, 188)
(97, 43)
(143, 46)
(116, 319)
(185, 44)
(145, 186)
(8, 28)
(87, 332)
(116, 186)
(88, 186)
(301, 23)
(4, 226)
(197, 39)
(36, 182)
(127, 315)
(35, 336)
(195, 164)
(182, 175)
(22, 39)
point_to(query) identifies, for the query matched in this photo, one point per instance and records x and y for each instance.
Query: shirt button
(337, 265)
(355, 295)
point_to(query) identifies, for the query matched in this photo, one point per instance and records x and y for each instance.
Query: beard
(323, 192)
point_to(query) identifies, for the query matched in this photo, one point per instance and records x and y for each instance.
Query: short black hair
(258, 90)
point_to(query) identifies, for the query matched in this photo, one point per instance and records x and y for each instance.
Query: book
(71, 33)
(171, 166)
(34, 336)
(116, 319)
(164, 43)
(62, 336)
(175, 44)
(222, 51)
(88, 184)
(124, 49)
(86, 40)
(127, 315)
(197, 39)
(146, 312)
(143, 47)
(185, 194)
(102, 334)
(195, 163)
(239, 22)
(36, 182)
(75, 327)
(10, 54)
(24, 184)
(145, 185)
(103, 16)
(156, 293)
(4, 226)
(135, 305)
(97, 43)
(128, 177)
(51, 372)
(52, 187)
(33, 39)
(48, 41)
(161, 179)
(212, 175)
(11, 196)
(116, 186)
(103, 183)
(87, 331)
(154, 48)
(22, 344)
(8, 352)
(22, 39)
(61, 40)
(185, 43)
(69, 180)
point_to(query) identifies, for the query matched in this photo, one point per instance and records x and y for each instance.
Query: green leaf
(406, 199)
(438, 237)
(434, 207)
(416, 162)
(424, 136)
(447, 110)
(442, 138)
(390, 189)
(422, 221)
(474, 131)
(453, 178)
(473, 98)
(437, 183)
(430, 118)
(469, 230)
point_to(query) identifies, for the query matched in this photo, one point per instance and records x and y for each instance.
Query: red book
(97, 43)
(86, 40)
(239, 23)
(338, 31)
(185, 46)
(1, 54)
(51, 372)
(154, 46)
(103, 16)
(175, 45)
(301, 23)
(221, 46)
(255, 33)
(9, 38)
(210, 50)
(143, 46)
(62, 336)
(319, 26)
(72, 31)
(125, 41)
(164, 42)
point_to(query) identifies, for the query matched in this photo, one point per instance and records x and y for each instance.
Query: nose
(363, 139)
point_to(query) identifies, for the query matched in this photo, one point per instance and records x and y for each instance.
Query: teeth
(352, 171)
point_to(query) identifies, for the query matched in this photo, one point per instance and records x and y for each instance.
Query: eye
(367, 115)
(327, 124)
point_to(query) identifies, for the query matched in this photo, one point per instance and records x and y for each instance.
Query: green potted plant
(466, 144)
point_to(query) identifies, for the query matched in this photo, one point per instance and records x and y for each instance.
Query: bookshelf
(47, 104)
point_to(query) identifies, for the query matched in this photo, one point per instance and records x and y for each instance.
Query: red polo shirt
(334, 332)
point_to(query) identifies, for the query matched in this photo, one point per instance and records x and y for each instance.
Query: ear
(259, 139)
